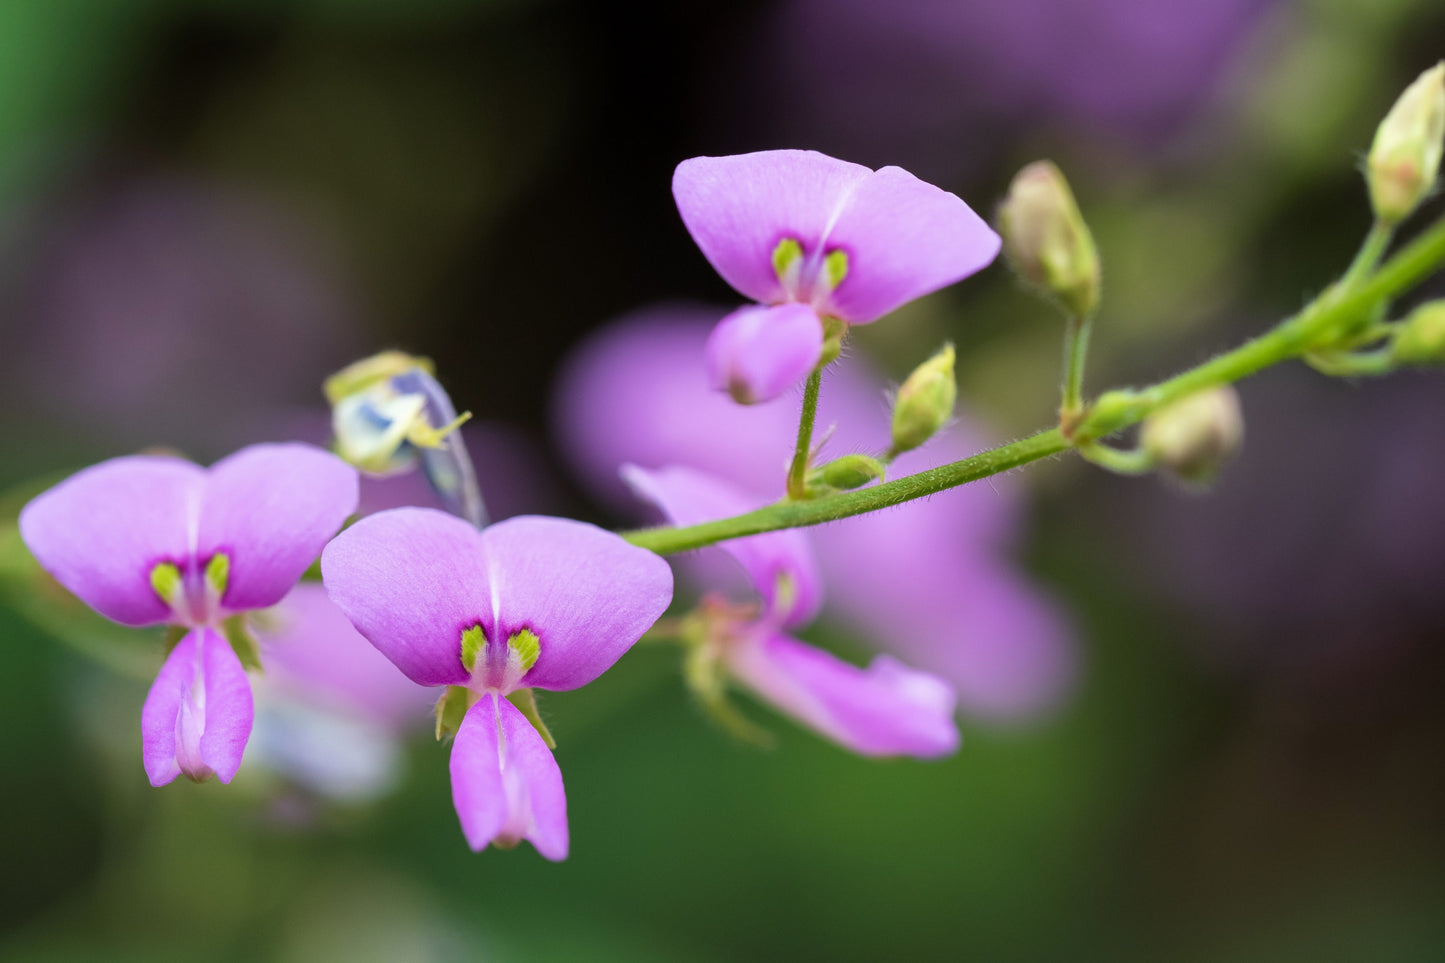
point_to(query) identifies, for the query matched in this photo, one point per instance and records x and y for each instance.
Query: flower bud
(850, 471)
(925, 402)
(1046, 239)
(1405, 157)
(1421, 338)
(1195, 436)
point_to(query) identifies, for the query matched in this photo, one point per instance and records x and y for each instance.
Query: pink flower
(886, 710)
(149, 540)
(811, 237)
(529, 602)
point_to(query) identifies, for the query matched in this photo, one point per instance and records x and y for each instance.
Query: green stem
(798, 471)
(1133, 461)
(1365, 262)
(1354, 364)
(1338, 308)
(1076, 348)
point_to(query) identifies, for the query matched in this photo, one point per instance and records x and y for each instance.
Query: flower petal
(887, 709)
(905, 238)
(738, 208)
(411, 580)
(101, 531)
(780, 564)
(506, 785)
(756, 353)
(314, 655)
(271, 509)
(198, 713)
(588, 594)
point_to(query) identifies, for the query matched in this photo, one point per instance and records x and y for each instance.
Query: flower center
(498, 667)
(808, 279)
(193, 599)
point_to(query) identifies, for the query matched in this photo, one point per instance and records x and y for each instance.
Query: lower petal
(887, 709)
(197, 716)
(505, 782)
(757, 353)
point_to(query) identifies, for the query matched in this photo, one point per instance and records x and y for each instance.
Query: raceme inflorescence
(486, 613)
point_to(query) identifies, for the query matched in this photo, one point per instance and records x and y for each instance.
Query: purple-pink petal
(757, 353)
(887, 709)
(587, 593)
(314, 654)
(411, 580)
(101, 531)
(506, 785)
(271, 509)
(779, 564)
(905, 238)
(738, 208)
(198, 714)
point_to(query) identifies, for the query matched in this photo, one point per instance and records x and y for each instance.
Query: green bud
(1046, 239)
(1405, 157)
(1195, 436)
(925, 402)
(1421, 337)
(850, 471)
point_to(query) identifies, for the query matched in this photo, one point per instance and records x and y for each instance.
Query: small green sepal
(248, 650)
(451, 708)
(526, 701)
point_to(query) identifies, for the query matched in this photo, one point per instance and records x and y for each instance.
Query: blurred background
(208, 206)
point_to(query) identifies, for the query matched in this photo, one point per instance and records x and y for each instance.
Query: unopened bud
(1046, 239)
(1405, 157)
(925, 402)
(848, 472)
(1421, 338)
(1195, 436)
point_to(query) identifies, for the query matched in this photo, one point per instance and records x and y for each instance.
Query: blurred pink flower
(931, 581)
(927, 79)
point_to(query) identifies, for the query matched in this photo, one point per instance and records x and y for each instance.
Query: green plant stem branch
(1368, 258)
(798, 471)
(1076, 349)
(1132, 461)
(1339, 309)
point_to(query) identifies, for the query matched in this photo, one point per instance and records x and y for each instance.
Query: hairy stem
(798, 471)
(1076, 348)
(1340, 307)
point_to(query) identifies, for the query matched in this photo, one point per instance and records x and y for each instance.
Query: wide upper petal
(412, 580)
(271, 509)
(887, 709)
(506, 785)
(101, 531)
(587, 594)
(737, 208)
(780, 564)
(904, 238)
(757, 353)
(197, 716)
